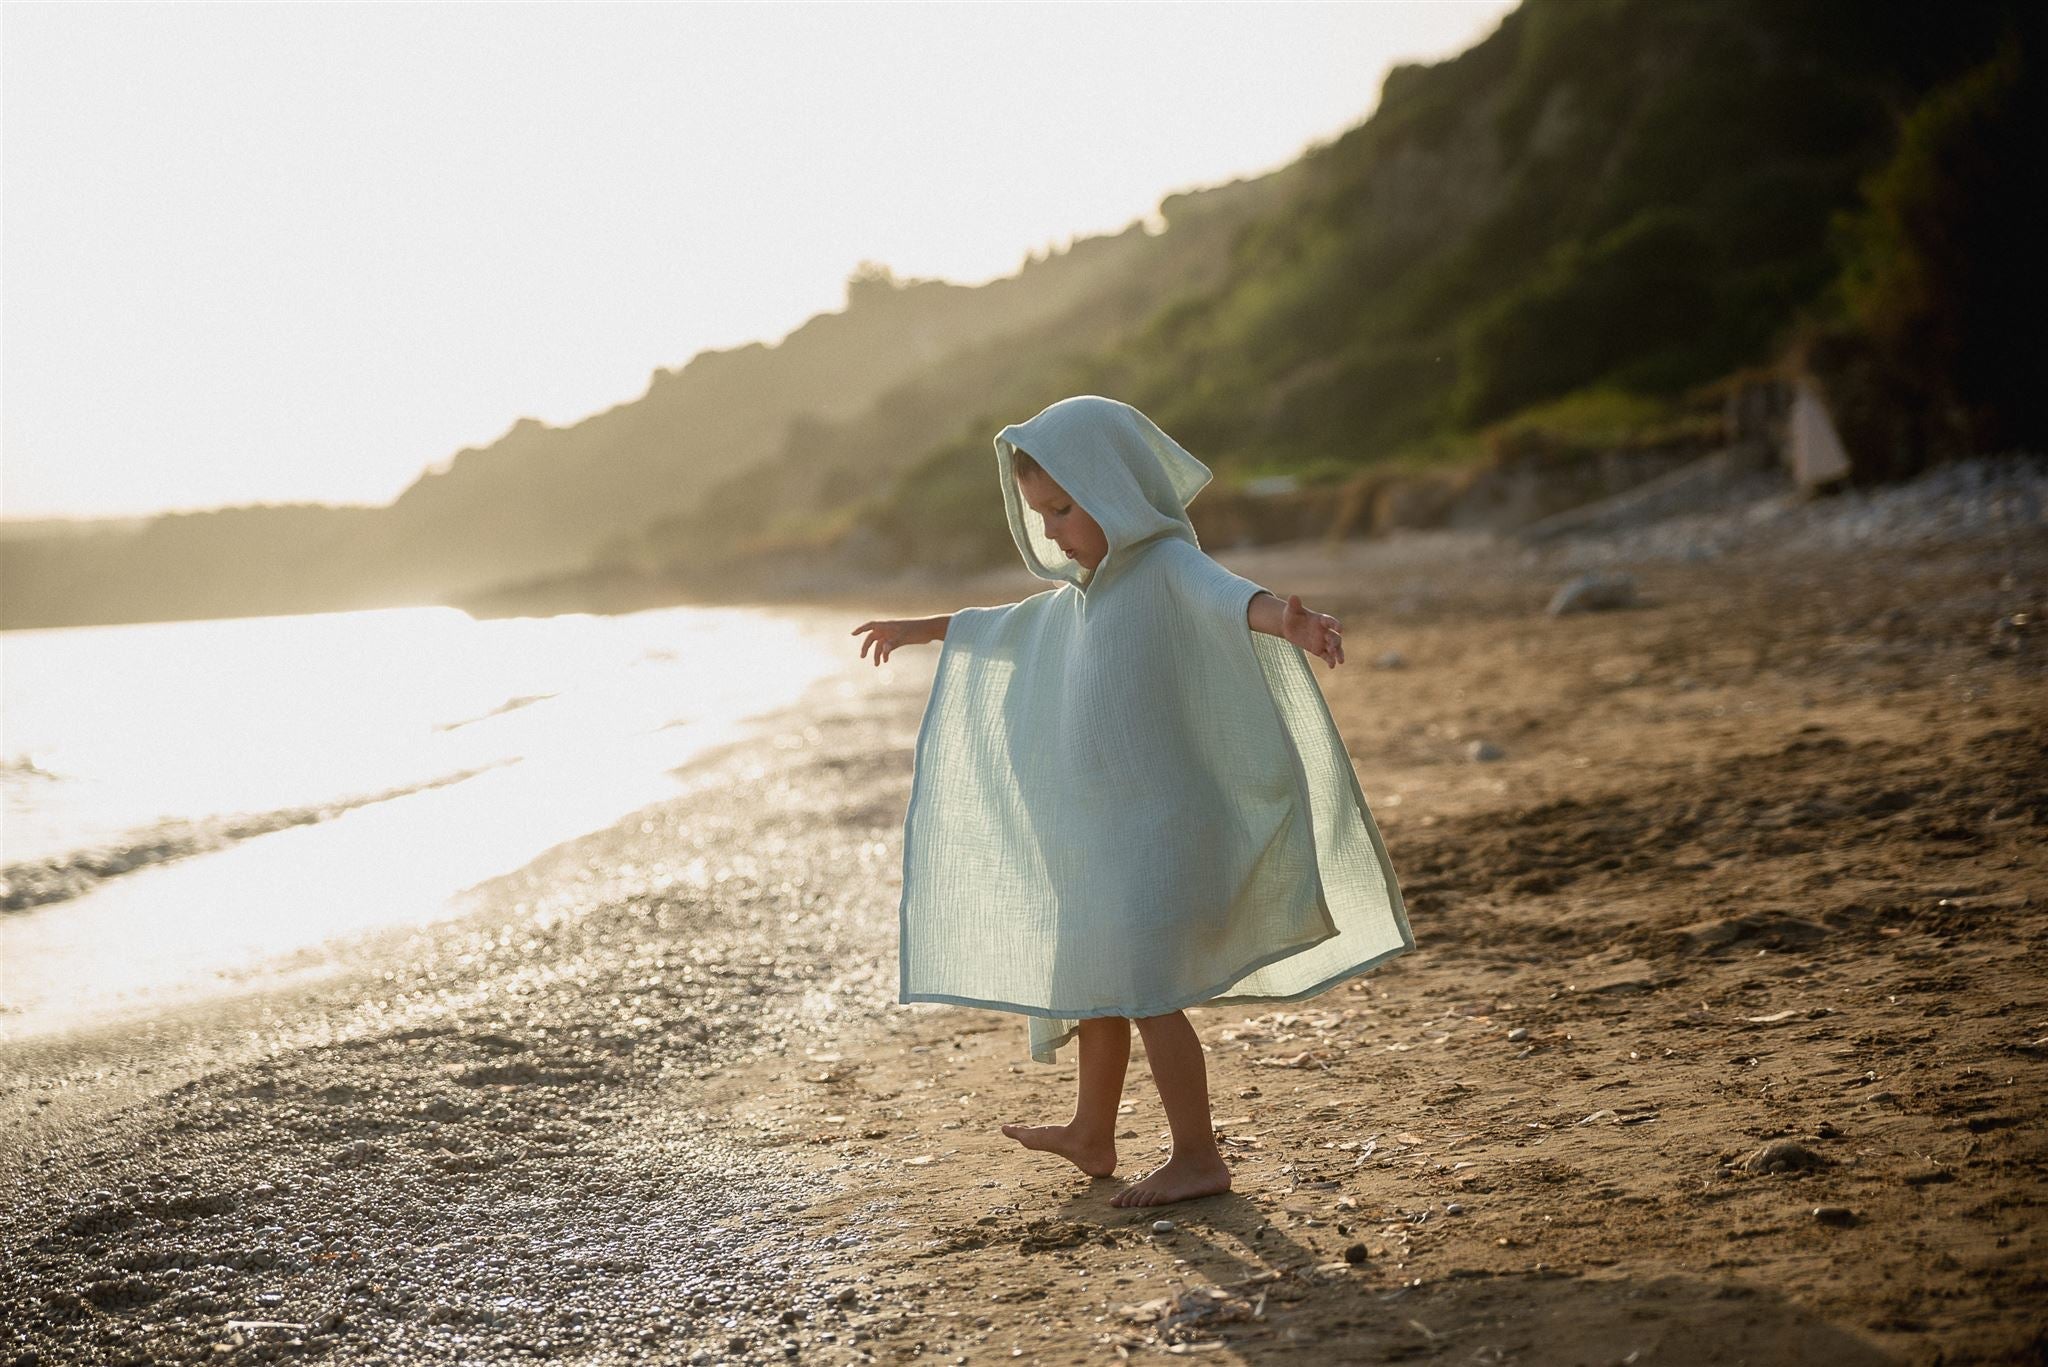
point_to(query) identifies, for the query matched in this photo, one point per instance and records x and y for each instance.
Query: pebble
(1834, 1215)
(1162, 1226)
(1484, 750)
(1454, 1208)
(1518, 1034)
(1783, 1155)
(1355, 1254)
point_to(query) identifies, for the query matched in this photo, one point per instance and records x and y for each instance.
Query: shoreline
(1761, 862)
(466, 1062)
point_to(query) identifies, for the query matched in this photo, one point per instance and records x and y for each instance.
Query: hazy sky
(268, 253)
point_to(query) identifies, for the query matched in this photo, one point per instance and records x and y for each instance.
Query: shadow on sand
(1297, 1304)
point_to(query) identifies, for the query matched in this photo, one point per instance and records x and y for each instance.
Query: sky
(268, 253)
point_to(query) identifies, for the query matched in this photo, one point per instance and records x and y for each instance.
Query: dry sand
(1761, 862)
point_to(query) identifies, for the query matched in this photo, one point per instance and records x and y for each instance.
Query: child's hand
(1318, 633)
(885, 636)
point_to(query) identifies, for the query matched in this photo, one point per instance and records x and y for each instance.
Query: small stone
(1783, 1155)
(1162, 1226)
(1834, 1215)
(1518, 1034)
(1484, 750)
(1453, 1208)
(1355, 1254)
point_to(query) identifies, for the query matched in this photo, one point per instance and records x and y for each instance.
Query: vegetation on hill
(1929, 346)
(1601, 208)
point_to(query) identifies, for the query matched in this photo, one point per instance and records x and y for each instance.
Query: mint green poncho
(1125, 801)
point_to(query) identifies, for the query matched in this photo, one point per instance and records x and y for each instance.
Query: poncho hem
(1197, 998)
(1051, 1053)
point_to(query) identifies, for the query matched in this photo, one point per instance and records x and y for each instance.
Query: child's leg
(1089, 1139)
(1196, 1166)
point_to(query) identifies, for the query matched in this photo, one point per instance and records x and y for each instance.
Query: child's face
(1075, 532)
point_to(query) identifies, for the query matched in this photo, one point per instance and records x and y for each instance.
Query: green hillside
(1603, 205)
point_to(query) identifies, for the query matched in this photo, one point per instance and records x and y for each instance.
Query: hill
(544, 500)
(1555, 249)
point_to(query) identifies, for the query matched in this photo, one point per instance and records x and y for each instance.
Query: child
(1128, 796)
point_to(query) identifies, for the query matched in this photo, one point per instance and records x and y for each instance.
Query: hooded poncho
(1124, 800)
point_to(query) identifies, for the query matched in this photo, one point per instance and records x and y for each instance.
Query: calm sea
(187, 802)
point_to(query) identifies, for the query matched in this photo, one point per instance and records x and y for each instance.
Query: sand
(1747, 923)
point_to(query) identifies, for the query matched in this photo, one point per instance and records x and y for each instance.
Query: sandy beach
(1725, 1039)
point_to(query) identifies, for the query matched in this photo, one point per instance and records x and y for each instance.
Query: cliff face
(1627, 193)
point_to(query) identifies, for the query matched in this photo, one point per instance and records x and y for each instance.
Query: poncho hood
(1127, 474)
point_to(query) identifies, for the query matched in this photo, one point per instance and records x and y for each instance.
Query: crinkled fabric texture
(1125, 801)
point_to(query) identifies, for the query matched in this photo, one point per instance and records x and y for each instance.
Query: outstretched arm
(885, 635)
(1318, 633)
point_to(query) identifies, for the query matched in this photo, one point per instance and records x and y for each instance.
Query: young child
(1128, 795)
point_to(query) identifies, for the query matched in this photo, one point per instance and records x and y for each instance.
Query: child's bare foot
(1177, 1179)
(1094, 1155)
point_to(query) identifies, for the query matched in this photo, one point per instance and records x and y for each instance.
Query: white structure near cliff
(1814, 448)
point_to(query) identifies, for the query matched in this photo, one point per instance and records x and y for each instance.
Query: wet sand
(1761, 865)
